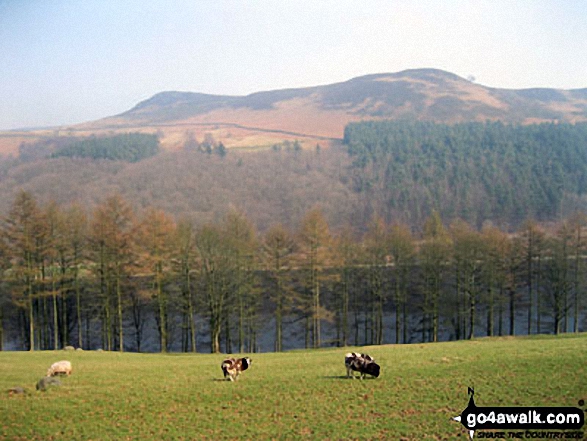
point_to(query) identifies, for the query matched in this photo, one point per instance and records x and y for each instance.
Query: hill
(292, 395)
(424, 94)
(281, 183)
(319, 114)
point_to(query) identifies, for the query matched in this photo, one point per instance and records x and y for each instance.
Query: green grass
(293, 395)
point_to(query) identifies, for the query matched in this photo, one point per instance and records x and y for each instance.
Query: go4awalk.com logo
(522, 422)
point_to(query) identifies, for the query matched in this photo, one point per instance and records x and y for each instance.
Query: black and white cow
(362, 363)
(232, 367)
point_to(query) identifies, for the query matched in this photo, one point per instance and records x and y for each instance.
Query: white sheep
(59, 368)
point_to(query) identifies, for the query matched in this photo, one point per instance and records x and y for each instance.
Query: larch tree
(277, 253)
(242, 247)
(533, 243)
(469, 254)
(557, 280)
(403, 251)
(214, 269)
(22, 230)
(4, 298)
(376, 255)
(435, 255)
(514, 264)
(578, 223)
(493, 272)
(315, 253)
(74, 257)
(185, 260)
(346, 251)
(54, 245)
(154, 237)
(100, 257)
(111, 236)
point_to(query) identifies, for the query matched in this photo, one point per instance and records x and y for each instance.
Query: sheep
(362, 363)
(232, 367)
(59, 368)
(44, 383)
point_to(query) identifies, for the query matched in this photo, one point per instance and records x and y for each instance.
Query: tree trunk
(512, 312)
(241, 321)
(397, 310)
(435, 313)
(458, 302)
(215, 329)
(473, 305)
(356, 325)
(162, 301)
(63, 301)
(557, 315)
(345, 308)
(1, 330)
(405, 321)
(318, 316)
(490, 309)
(529, 280)
(31, 324)
(538, 297)
(307, 332)
(78, 308)
(576, 281)
(119, 314)
(501, 301)
(379, 330)
(55, 321)
(278, 320)
(191, 324)
(30, 304)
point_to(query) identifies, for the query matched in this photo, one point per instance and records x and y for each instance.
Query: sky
(68, 61)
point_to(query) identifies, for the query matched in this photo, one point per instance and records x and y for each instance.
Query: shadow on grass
(344, 377)
(224, 380)
(336, 377)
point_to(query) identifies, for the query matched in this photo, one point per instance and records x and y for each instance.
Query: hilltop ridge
(318, 114)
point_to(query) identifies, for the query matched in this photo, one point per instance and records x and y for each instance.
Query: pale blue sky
(64, 62)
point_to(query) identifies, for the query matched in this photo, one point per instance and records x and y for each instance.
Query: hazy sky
(63, 62)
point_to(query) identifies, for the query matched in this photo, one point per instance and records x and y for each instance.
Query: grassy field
(293, 395)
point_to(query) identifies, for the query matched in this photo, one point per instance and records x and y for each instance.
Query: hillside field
(291, 395)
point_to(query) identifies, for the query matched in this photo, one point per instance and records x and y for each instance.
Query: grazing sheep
(60, 368)
(362, 363)
(232, 367)
(44, 383)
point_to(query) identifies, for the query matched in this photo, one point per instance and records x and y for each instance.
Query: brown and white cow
(232, 367)
(362, 363)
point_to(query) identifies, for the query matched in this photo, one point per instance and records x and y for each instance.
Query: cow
(232, 367)
(60, 368)
(362, 363)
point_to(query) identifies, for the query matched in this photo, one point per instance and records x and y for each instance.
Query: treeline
(473, 171)
(130, 147)
(99, 279)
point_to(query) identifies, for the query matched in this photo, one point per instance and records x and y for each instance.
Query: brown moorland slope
(318, 114)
